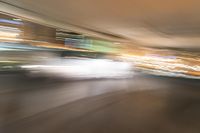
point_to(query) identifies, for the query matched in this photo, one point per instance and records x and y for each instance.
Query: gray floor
(143, 104)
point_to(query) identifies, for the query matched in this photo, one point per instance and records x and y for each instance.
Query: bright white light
(8, 34)
(6, 31)
(85, 68)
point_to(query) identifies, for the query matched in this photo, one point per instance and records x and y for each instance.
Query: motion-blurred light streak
(77, 55)
(84, 68)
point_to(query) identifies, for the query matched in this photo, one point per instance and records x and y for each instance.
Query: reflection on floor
(138, 105)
